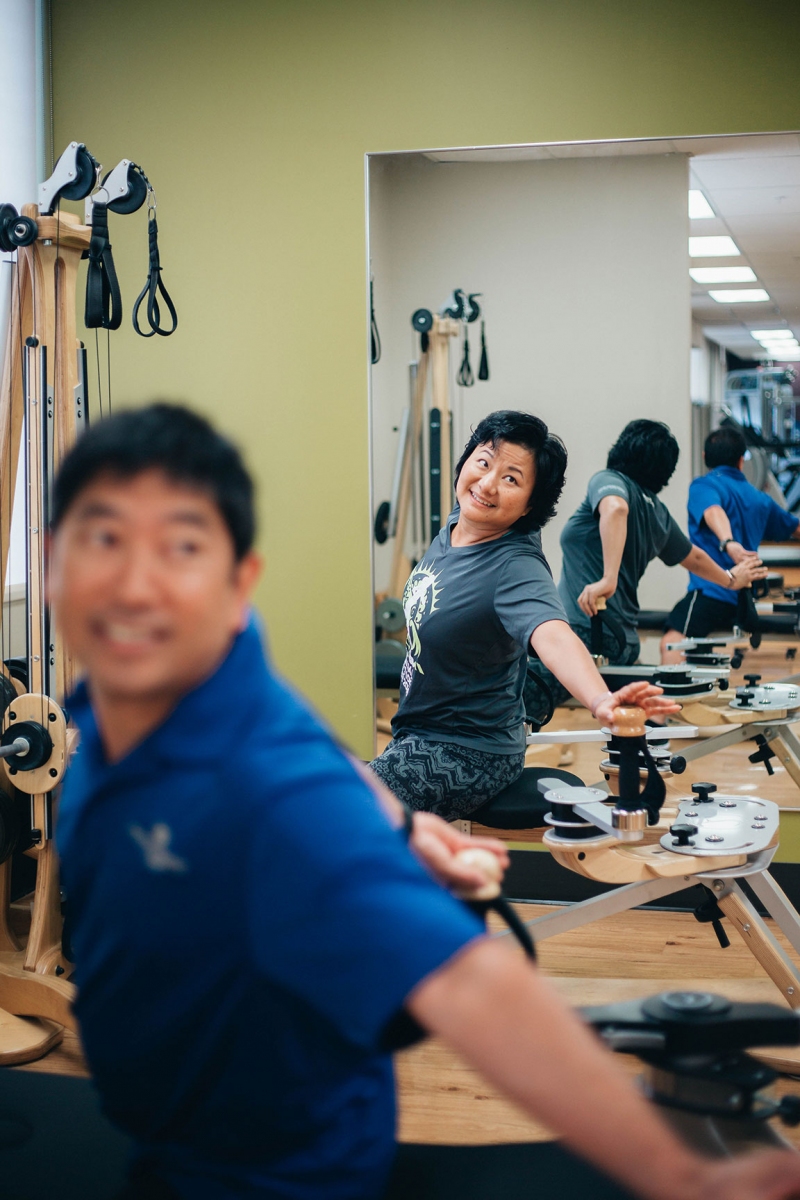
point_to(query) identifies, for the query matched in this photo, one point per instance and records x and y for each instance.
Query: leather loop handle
(153, 285)
(103, 298)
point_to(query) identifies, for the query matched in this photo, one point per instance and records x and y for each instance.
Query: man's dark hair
(647, 452)
(168, 438)
(549, 457)
(724, 447)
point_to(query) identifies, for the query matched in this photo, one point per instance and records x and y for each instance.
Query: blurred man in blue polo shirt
(249, 922)
(728, 518)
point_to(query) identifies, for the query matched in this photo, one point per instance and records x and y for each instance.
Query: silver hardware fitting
(629, 822)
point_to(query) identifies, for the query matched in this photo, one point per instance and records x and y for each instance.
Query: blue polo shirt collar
(203, 726)
(731, 472)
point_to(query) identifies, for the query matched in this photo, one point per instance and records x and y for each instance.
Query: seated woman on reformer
(477, 603)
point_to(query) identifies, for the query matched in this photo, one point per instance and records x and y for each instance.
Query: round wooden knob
(489, 867)
(600, 604)
(628, 722)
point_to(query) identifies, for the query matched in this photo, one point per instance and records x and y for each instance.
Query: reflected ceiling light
(722, 274)
(699, 208)
(713, 247)
(740, 296)
(771, 335)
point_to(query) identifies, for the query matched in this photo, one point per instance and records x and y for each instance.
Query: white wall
(584, 270)
(20, 163)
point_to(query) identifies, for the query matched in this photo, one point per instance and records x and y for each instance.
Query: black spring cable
(375, 337)
(465, 378)
(483, 369)
(154, 283)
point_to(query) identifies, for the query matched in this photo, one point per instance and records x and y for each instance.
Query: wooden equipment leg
(761, 943)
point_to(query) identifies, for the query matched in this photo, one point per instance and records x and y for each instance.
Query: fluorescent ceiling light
(771, 335)
(699, 208)
(790, 341)
(740, 296)
(713, 247)
(792, 355)
(722, 274)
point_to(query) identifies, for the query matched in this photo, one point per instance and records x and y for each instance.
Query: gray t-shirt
(652, 533)
(470, 613)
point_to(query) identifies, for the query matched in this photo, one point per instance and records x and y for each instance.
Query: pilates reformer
(43, 408)
(707, 839)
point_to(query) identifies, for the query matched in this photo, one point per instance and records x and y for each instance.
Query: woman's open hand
(639, 695)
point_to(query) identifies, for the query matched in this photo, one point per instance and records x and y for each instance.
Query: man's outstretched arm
(500, 1014)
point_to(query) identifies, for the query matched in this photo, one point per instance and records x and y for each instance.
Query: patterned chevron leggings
(441, 778)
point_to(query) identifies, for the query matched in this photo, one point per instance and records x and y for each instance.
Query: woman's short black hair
(168, 438)
(549, 457)
(724, 447)
(647, 452)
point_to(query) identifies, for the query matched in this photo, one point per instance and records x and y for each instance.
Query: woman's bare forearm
(563, 653)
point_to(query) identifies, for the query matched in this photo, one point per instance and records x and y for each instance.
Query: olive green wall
(252, 118)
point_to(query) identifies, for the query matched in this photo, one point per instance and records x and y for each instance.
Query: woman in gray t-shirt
(477, 601)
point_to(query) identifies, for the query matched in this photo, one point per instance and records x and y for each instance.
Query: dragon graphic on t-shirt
(419, 601)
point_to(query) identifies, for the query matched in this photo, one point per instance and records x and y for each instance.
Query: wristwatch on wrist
(723, 544)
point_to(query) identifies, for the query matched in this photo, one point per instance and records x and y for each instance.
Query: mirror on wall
(589, 284)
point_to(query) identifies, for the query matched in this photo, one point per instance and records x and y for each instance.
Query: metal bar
(735, 735)
(402, 451)
(778, 905)
(607, 905)
(20, 745)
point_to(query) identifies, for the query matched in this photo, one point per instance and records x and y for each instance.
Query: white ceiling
(752, 182)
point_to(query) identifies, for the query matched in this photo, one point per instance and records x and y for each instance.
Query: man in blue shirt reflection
(728, 518)
(248, 922)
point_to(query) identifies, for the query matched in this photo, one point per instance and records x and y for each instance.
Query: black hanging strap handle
(153, 285)
(103, 297)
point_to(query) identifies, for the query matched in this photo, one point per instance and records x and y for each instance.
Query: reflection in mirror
(590, 285)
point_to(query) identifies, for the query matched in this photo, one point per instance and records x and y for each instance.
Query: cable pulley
(15, 231)
(73, 178)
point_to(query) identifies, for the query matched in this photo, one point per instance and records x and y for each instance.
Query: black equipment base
(518, 1171)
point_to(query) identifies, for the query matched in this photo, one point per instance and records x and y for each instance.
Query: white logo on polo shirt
(155, 847)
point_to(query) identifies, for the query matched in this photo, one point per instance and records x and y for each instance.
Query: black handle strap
(153, 285)
(465, 378)
(483, 369)
(103, 297)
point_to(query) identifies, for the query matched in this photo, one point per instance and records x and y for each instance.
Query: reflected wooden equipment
(433, 362)
(42, 407)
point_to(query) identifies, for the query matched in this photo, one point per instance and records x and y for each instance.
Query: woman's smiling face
(495, 487)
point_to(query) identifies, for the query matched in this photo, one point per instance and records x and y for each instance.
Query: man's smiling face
(145, 586)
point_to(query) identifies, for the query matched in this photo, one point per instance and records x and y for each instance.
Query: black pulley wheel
(135, 198)
(39, 740)
(8, 214)
(422, 320)
(7, 692)
(84, 179)
(23, 232)
(381, 526)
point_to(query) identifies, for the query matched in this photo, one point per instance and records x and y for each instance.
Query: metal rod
(19, 746)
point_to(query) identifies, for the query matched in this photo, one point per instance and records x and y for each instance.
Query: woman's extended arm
(563, 653)
(613, 525)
